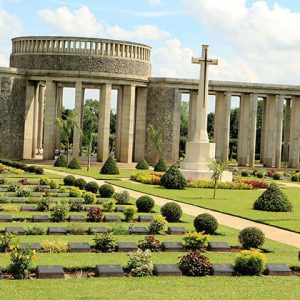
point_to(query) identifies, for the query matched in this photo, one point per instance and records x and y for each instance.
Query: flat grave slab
(109, 271)
(138, 230)
(51, 190)
(79, 247)
(10, 195)
(126, 247)
(94, 230)
(77, 219)
(145, 218)
(278, 270)
(218, 246)
(18, 200)
(166, 270)
(111, 218)
(33, 246)
(172, 246)
(100, 201)
(6, 218)
(28, 208)
(223, 269)
(15, 230)
(2, 190)
(62, 195)
(57, 230)
(173, 230)
(50, 272)
(44, 186)
(40, 218)
(52, 201)
(120, 208)
(36, 195)
(75, 200)
(87, 208)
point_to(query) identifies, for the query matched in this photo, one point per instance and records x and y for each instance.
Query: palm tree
(217, 167)
(156, 137)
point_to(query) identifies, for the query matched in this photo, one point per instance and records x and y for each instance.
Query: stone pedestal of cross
(199, 152)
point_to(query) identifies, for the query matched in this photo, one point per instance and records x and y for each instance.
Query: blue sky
(255, 41)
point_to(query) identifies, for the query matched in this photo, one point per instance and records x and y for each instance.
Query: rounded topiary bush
(173, 179)
(80, 183)
(245, 173)
(106, 190)
(61, 162)
(142, 165)
(273, 199)
(259, 174)
(295, 178)
(69, 180)
(122, 197)
(276, 176)
(74, 164)
(206, 223)
(110, 166)
(144, 204)
(161, 166)
(171, 211)
(92, 186)
(251, 237)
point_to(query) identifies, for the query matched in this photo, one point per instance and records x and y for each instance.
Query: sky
(255, 41)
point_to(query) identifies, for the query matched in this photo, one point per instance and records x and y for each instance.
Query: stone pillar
(82, 118)
(218, 123)
(119, 122)
(295, 133)
(41, 116)
(59, 101)
(263, 129)
(104, 122)
(252, 128)
(77, 130)
(29, 120)
(50, 118)
(35, 121)
(286, 133)
(126, 150)
(278, 130)
(176, 125)
(140, 123)
(226, 126)
(192, 114)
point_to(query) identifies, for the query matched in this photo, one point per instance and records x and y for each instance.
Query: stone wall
(12, 101)
(88, 63)
(163, 112)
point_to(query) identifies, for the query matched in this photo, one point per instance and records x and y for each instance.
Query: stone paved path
(273, 233)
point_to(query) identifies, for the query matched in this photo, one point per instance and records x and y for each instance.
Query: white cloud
(155, 2)
(265, 40)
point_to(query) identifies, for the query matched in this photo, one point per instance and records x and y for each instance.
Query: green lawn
(234, 202)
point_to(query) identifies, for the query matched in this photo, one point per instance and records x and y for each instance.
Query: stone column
(82, 118)
(252, 131)
(286, 133)
(176, 125)
(41, 116)
(77, 130)
(126, 150)
(192, 114)
(218, 124)
(29, 120)
(35, 121)
(59, 101)
(119, 122)
(104, 122)
(140, 123)
(278, 130)
(50, 118)
(226, 126)
(295, 133)
(263, 129)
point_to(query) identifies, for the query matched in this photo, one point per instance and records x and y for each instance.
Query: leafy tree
(217, 167)
(184, 116)
(156, 137)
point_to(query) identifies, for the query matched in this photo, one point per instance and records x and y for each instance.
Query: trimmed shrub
(244, 173)
(173, 179)
(157, 225)
(119, 229)
(89, 198)
(92, 186)
(122, 197)
(59, 213)
(75, 192)
(76, 229)
(250, 262)
(129, 213)
(6, 241)
(106, 190)
(74, 164)
(251, 237)
(80, 183)
(206, 223)
(76, 206)
(55, 246)
(140, 263)
(195, 264)
(35, 230)
(295, 178)
(54, 184)
(61, 161)
(23, 192)
(69, 180)
(142, 165)
(109, 206)
(39, 171)
(161, 166)
(144, 204)
(171, 211)
(259, 174)
(105, 242)
(195, 240)
(110, 166)
(149, 178)
(273, 199)
(276, 176)
(43, 205)
(95, 214)
(149, 243)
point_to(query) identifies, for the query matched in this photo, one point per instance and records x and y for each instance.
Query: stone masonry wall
(12, 106)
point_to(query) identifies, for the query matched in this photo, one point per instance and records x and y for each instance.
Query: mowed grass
(234, 202)
(224, 288)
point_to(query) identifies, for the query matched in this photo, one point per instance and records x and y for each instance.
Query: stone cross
(201, 121)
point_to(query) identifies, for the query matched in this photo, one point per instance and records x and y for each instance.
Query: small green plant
(80, 183)
(110, 166)
(109, 206)
(13, 187)
(195, 240)
(122, 197)
(173, 179)
(6, 241)
(161, 166)
(39, 171)
(44, 181)
(157, 225)
(59, 212)
(206, 223)
(95, 214)
(43, 205)
(55, 246)
(217, 168)
(150, 243)
(140, 263)
(276, 176)
(171, 211)
(119, 229)
(89, 198)
(76, 229)
(75, 192)
(129, 213)
(61, 161)
(74, 164)
(144, 204)
(35, 230)
(260, 175)
(69, 180)
(251, 237)
(23, 192)
(250, 262)
(105, 242)
(92, 187)
(54, 184)
(106, 190)
(76, 206)
(142, 165)
(245, 173)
